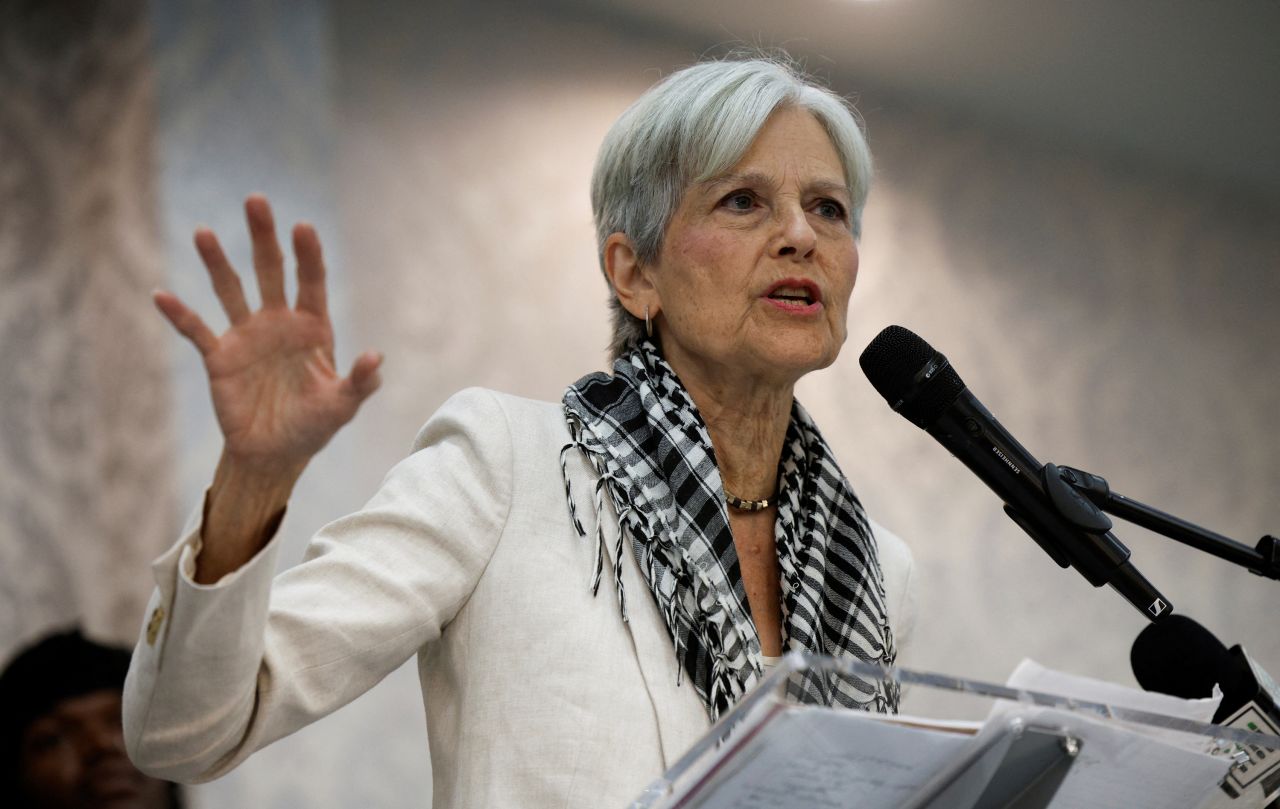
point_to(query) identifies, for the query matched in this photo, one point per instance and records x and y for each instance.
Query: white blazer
(536, 693)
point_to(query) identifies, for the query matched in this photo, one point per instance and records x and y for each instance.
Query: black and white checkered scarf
(644, 437)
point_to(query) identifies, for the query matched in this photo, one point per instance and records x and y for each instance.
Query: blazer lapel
(681, 717)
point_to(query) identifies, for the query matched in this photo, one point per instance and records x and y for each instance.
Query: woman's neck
(747, 421)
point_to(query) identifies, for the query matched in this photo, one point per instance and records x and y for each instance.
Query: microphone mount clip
(1262, 560)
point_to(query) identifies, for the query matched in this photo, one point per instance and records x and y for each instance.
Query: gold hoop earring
(648, 326)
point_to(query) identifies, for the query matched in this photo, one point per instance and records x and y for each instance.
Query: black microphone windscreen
(1180, 657)
(894, 363)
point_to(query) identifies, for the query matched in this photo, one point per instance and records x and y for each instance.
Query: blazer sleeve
(222, 670)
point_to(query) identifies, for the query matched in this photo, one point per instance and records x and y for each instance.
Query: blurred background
(1076, 202)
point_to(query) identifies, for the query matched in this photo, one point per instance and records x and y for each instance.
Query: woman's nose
(796, 237)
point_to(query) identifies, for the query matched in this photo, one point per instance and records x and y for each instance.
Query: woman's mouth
(795, 295)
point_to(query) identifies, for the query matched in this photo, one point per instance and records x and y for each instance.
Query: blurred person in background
(61, 742)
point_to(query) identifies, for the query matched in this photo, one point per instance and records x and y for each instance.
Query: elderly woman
(700, 496)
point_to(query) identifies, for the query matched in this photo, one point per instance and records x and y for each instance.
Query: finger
(226, 284)
(268, 261)
(187, 322)
(364, 378)
(312, 296)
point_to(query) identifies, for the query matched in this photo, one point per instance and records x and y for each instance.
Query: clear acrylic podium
(1035, 750)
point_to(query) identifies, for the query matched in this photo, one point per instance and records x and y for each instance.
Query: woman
(727, 201)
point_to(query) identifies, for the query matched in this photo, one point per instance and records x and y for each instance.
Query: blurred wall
(86, 446)
(1115, 317)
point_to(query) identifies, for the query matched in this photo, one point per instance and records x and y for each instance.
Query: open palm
(276, 393)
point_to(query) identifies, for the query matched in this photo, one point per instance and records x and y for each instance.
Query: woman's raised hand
(276, 393)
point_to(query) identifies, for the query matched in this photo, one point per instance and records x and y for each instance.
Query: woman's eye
(739, 201)
(829, 209)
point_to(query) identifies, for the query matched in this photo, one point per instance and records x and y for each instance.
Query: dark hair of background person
(54, 669)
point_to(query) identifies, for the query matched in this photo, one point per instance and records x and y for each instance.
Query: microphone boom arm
(1262, 560)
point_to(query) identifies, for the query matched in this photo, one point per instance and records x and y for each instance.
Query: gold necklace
(744, 505)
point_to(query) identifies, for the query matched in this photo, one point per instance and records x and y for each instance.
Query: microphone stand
(1263, 559)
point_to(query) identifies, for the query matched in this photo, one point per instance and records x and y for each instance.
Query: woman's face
(757, 265)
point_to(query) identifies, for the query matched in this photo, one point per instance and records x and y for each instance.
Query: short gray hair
(691, 127)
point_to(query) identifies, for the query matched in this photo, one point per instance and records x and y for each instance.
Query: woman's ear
(630, 279)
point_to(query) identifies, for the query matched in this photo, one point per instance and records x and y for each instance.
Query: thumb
(364, 378)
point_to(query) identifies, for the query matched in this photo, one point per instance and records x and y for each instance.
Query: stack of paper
(785, 756)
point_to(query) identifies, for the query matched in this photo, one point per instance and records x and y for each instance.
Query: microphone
(1180, 657)
(920, 384)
